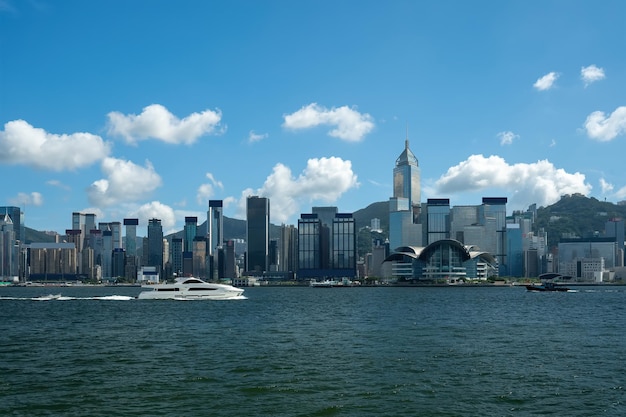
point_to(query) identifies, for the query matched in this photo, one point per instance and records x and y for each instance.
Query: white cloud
(539, 182)
(21, 143)
(349, 124)
(546, 82)
(156, 210)
(124, 182)
(24, 199)
(254, 137)
(591, 74)
(58, 184)
(507, 138)
(206, 190)
(604, 128)
(323, 180)
(605, 186)
(155, 121)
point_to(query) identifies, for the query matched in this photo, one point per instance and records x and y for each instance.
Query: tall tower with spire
(406, 179)
(404, 206)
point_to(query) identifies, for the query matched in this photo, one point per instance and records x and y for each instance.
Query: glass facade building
(258, 234)
(155, 245)
(190, 232)
(437, 219)
(309, 247)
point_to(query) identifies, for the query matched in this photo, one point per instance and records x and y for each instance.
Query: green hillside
(577, 215)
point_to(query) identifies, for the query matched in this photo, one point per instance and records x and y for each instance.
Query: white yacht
(190, 288)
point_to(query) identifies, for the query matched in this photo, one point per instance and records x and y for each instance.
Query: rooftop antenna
(406, 141)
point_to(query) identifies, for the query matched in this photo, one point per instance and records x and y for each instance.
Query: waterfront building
(515, 250)
(9, 258)
(51, 261)
(404, 205)
(17, 218)
(495, 207)
(131, 236)
(199, 258)
(257, 234)
(326, 250)
(586, 259)
(190, 232)
(288, 249)
(155, 245)
(118, 263)
(215, 236)
(437, 216)
(177, 255)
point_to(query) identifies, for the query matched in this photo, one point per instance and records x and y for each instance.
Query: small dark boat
(547, 286)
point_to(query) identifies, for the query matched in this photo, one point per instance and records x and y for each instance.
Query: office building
(131, 236)
(258, 239)
(17, 218)
(155, 245)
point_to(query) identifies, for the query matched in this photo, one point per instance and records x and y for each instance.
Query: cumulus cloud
(323, 179)
(23, 144)
(124, 182)
(603, 128)
(605, 186)
(349, 124)
(207, 190)
(254, 137)
(155, 210)
(546, 82)
(507, 138)
(591, 74)
(155, 121)
(540, 182)
(25, 199)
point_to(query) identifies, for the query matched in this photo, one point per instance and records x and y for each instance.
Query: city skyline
(149, 110)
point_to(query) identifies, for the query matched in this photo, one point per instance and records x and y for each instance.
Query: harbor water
(384, 351)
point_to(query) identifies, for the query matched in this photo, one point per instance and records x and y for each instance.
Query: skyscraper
(191, 231)
(155, 244)
(258, 233)
(131, 236)
(215, 225)
(215, 238)
(406, 178)
(17, 218)
(404, 206)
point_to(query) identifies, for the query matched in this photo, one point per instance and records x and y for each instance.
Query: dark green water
(315, 352)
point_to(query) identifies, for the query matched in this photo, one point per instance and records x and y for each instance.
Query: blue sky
(151, 108)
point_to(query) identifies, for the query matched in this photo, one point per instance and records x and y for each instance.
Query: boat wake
(59, 297)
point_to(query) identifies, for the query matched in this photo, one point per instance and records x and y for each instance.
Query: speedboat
(190, 288)
(546, 286)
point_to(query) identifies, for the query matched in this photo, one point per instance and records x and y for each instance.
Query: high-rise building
(177, 255)
(17, 218)
(437, 219)
(258, 234)
(309, 248)
(406, 179)
(155, 245)
(343, 245)
(8, 249)
(190, 233)
(404, 206)
(131, 236)
(326, 249)
(215, 225)
(288, 250)
(495, 207)
(215, 238)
